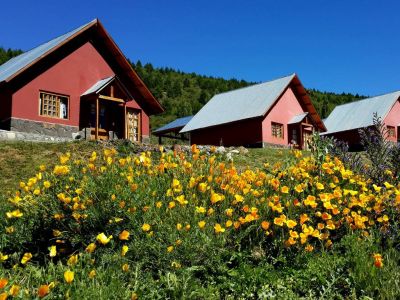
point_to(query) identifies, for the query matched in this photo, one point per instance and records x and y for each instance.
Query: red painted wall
(71, 76)
(247, 132)
(350, 136)
(283, 111)
(393, 119)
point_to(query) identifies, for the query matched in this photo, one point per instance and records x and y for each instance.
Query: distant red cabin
(275, 113)
(79, 84)
(345, 120)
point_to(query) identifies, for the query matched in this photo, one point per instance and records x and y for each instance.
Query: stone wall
(6, 135)
(145, 139)
(49, 129)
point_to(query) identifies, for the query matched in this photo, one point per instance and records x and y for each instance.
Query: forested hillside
(6, 54)
(183, 94)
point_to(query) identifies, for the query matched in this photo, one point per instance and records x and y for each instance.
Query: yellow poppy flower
(218, 228)
(14, 214)
(146, 227)
(43, 290)
(69, 276)
(27, 257)
(14, 290)
(124, 249)
(291, 223)
(90, 248)
(125, 267)
(202, 224)
(3, 282)
(103, 239)
(124, 235)
(73, 260)
(53, 251)
(92, 274)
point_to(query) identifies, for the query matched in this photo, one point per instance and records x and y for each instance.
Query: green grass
(20, 160)
(245, 267)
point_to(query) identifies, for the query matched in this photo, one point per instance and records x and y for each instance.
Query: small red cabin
(345, 120)
(277, 112)
(77, 84)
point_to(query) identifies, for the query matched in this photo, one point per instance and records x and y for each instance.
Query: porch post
(96, 130)
(125, 124)
(301, 137)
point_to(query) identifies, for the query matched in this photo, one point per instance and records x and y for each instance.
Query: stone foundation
(6, 135)
(145, 139)
(271, 145)
(49, 129)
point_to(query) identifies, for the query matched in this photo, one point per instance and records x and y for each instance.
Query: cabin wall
(351, 137)
(71, 76)
(242, 133)
(5, 111)
(393, 119)
(282, 112)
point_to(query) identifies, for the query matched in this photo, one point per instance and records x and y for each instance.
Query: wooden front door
(133, 125)
(307, 135)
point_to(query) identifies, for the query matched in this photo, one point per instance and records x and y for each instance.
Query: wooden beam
(126, 124)
(96, 130)
(111, 99)
(112, 91)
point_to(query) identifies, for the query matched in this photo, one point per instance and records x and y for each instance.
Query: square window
(277, 130)
(53, 105)
(391, 132)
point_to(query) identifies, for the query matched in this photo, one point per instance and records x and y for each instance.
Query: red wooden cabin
(80, 83)
(345, 120)
(277, 112)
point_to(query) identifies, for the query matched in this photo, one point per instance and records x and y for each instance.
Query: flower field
(176, 225)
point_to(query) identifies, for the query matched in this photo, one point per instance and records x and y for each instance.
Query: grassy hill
(115, 225)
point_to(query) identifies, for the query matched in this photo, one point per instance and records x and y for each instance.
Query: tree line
(183, 94)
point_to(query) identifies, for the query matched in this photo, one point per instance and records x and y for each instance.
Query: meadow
(84, 220)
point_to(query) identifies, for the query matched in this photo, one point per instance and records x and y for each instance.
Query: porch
(300, 129)
(105, 115)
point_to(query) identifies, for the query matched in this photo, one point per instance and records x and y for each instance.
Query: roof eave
(139, 84)
(308, 103)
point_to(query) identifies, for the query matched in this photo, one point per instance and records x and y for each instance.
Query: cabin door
(133, 125)
(307, 135)
(398, 134)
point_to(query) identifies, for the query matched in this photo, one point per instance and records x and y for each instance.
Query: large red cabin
(77, 84)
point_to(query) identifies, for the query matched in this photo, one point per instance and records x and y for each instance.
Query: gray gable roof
(176, 124)
(99, 85)
(359, 114)
(245, 103)
(18, 63)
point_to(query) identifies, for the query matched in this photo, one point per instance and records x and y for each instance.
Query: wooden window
(391, 132)
(53, 105)
(277, 130)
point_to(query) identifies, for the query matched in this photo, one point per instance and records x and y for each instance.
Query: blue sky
(337, 45)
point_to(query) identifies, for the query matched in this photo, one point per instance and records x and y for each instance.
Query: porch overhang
(298, 118)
